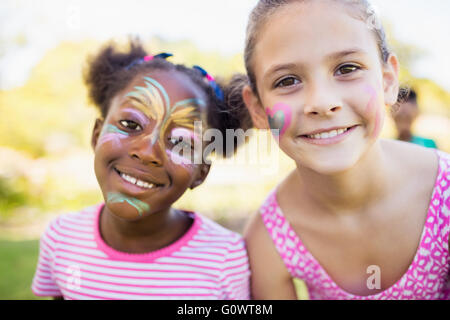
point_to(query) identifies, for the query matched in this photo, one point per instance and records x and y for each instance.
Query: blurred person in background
(404, 117)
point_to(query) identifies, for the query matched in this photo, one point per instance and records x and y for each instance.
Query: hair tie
(212, 82)
(162, 55)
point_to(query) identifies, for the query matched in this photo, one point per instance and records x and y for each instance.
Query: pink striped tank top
(426, 278)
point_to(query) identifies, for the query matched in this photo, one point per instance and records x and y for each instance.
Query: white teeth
(137, 182)
(333, 134)
(329, 134)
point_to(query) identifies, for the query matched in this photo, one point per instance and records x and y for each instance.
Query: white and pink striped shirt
(208, 262)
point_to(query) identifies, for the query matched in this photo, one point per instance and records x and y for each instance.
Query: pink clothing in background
(426, 278)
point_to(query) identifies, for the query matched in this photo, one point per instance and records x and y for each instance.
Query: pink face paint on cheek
(378, 122)
(372, 102)
(112, 133)
(110, 137)
(279, 117)
(372, 110)
(180, 160)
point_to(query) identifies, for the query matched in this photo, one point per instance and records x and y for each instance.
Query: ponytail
(231, 113)
(106, 72)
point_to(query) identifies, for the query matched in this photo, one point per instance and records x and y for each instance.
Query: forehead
(176, 84)
(307, 31)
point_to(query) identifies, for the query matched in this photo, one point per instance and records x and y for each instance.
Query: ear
(202, 173)
(255, 108)
(96, 132)
(390, 80)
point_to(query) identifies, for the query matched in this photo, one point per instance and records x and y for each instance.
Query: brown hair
(260, 14)
(265, 8)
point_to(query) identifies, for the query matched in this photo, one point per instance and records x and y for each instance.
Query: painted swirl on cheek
(279, 117)
(180, 160)
(182, 153)
(111, 133)
(116, 197)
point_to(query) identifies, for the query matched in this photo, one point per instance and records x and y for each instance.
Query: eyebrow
(330, 57)
(344, 53)
(137, 112)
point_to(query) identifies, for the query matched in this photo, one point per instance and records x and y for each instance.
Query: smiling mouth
(327, 134)
(138, 182)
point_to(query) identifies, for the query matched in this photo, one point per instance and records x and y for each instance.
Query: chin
(333, 167)
(125, 211)
(329, 165)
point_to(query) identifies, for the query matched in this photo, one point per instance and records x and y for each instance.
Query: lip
(144, 176)
(140, 174)
(134, 189)
(328, 141)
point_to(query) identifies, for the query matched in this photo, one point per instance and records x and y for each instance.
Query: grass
(18, 261)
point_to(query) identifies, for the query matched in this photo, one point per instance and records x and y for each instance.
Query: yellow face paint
(154, 102)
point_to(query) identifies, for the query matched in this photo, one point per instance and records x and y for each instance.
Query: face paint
(140, 206)
(182, 153)
(371, 109)
(111, 133)
(154, 101)
(279, 117)
(136, 116)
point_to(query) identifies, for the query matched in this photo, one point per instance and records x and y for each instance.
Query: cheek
(374, 112)
(111, 135)
(177, 159)
(279, 118)
(110, 139)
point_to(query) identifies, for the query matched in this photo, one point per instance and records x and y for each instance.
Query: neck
(351, 190)
(405, 136)
(147, 234)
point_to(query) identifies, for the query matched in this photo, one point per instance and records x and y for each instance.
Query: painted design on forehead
(154, 101)
(372, 110)
(111, 133)
(116, 197)
(279, 117)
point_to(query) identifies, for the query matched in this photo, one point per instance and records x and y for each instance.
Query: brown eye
(346, 69)
(287, 82)
(180, 141)
(130, 124)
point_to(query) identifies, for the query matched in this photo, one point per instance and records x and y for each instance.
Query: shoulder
(414, 160)
(213, 233)
(68, 222)
(270, 277)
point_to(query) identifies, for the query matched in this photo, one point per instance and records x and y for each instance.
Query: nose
(321, 101)
(147, 151)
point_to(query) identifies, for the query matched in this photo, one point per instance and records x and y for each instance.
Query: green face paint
(110, 133)
(116, 197)
(109, 128)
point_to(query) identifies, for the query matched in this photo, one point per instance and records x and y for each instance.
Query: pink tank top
(426, 278)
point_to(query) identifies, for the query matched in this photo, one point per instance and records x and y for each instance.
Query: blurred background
(46, 162)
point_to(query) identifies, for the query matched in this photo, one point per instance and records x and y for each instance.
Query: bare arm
(270, 280)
